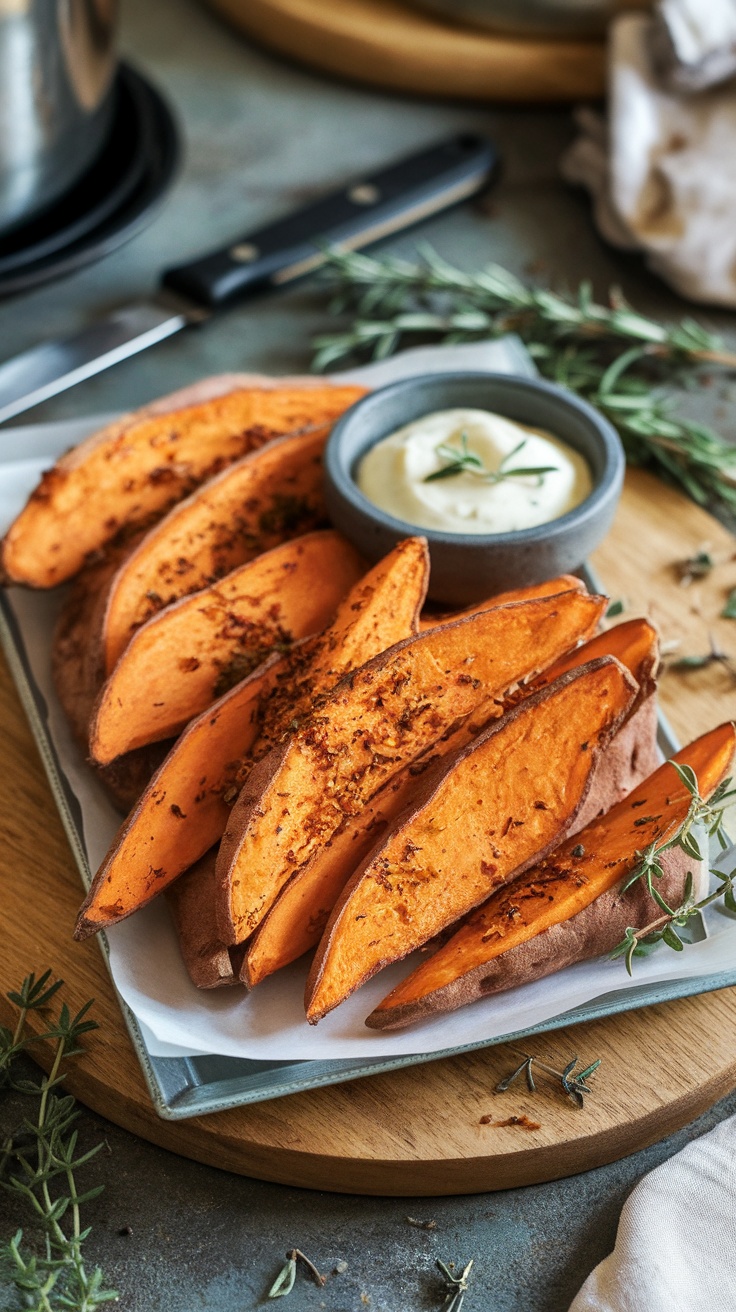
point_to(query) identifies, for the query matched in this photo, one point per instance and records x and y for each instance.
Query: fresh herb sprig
(39, 1164)
(620, 360)
(708, 815)
(572, 1082)
(461, 460)
(456, 1285)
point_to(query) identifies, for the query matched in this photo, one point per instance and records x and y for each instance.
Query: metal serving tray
(190, 1086)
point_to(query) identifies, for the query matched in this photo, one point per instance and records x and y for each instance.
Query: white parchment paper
(269, 1024)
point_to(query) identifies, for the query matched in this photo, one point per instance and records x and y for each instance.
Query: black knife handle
(360, 213)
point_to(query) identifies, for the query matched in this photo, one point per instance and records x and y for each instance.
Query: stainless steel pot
(57, 65)
(533, 17)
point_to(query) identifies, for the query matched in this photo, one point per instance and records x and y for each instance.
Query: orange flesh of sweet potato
(503, 803)
(373, 724)
(191, 902)
(132, 471)
(297, 919)
(549, 588)
(184, 810)
(188, 654)
(269, 496)
(558, 889)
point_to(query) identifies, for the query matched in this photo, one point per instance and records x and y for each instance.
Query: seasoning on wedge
(571, 906)
(129, 473)
(185, 808)
(180, 661)
(297, 919)
(374, 723)
(268, 497)
(506, 801)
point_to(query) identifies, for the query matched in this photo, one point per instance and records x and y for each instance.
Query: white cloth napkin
(674, 1248)
(662, 169)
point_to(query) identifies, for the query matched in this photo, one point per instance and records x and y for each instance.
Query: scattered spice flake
(729, 610)
(521, 1122)
(421, 1225)
(616, 608)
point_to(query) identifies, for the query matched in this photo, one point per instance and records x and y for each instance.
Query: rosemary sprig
(39, 1165)
(613, 356)
(461, 460)
(572, 1082)
(708, 815)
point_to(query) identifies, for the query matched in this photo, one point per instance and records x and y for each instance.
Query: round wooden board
(415, 1131)
(388, 44)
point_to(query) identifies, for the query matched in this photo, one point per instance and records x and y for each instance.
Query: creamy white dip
(483, 496)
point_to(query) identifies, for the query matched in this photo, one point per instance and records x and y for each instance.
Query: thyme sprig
(39, 1164)
(612, 355)
(457, 1285)
(708, 815)
(461, 460)
(572, 1082)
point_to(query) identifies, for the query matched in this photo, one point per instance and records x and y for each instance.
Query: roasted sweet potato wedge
(298, 917)
(133, 470)
(569, 907)
(180, 661)
(191, 901)
(185, 808)
(504, 803)
(375, 723)
(550, 588)
(253, 505)
(182, 812)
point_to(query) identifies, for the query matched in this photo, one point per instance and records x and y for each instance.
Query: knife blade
(362, 212)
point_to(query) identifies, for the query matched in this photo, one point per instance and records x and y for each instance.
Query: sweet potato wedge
(191, 902)
(550, 588)
(504, 803)
(265, 498)
(133, 470)
(297, 919)
(180, 661)
(376, 722)
(569, 907)
(184, 810)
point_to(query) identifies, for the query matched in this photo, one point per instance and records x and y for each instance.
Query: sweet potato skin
(374, 723)
(210, 965)
(584, 870)
(133, 470)
(177, 663)
(630, 757)
(592, 933)
(267, 497)
(185, 808)
(502, 805)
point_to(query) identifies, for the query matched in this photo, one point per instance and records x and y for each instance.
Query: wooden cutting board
(389, 44)
(417, 1130)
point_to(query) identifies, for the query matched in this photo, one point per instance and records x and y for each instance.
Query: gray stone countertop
(263, 136)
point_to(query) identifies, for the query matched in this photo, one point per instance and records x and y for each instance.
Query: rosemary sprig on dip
(708, 815)
(461, 460)
(615, 357)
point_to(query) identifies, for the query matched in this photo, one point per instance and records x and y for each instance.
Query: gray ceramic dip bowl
(468, 567)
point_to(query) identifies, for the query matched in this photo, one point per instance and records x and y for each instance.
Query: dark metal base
(113, 200)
